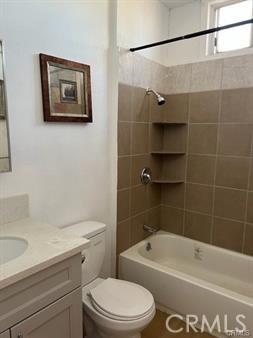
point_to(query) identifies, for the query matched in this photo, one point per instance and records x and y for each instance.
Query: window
(229, 12)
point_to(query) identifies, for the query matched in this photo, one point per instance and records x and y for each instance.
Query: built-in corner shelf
(167, 147)
(161, 181)
(167, 152)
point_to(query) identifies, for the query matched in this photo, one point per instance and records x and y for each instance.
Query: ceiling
(176, 3)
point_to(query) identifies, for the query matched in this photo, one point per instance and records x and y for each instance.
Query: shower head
(160, 99)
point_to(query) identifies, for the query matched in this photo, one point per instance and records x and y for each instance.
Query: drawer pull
(20, 335)
(83, 260)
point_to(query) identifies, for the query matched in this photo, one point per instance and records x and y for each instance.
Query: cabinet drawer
(62, 319)
(27, 296)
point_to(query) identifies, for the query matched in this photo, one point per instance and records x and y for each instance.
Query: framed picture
(66, 90)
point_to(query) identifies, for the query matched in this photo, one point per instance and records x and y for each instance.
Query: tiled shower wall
(137, 204)
(215, 100)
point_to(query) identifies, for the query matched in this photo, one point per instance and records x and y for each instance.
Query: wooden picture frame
(66, 90)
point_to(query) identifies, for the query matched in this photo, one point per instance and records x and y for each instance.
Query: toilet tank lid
(85, 229)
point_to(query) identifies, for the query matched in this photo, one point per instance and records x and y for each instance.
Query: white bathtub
(190, 277)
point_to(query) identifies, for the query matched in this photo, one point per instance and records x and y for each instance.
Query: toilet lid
(121, 300)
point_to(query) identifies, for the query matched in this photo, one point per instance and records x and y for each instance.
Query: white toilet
(112, 308)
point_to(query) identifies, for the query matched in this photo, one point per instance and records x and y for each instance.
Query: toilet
(112, 308)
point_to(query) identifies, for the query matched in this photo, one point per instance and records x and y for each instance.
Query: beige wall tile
(124, 166)
(125, 102)
(140, 106)
(123, 236)
(206, 76)
(194, 90)
(203, 138)
(228, 234)
(175, 138)
(158, 77)
(237, 105)
(235, 140)
(230, 203)
(198, 226)
(176, 108)
(138, 163)
(156, 137)
(154, 195)
(173, 195)
(250, 207)
(137, 232)
(238, 72)
(156, 164)
(141, 71)
(156, 112)
(154, 217)
(201, 169)
(124, 138)
(199, 198)
(251, 175)
(139, 199)
(172, 220)
(174, 167)
(248, 245)
(178, 79)
(204, 106)
(123, 205)
(232, 172)
(126, 66)
(140, 138)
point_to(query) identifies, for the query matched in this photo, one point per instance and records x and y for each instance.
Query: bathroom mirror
(5, 161)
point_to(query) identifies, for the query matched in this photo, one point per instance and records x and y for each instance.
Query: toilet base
(94, 332)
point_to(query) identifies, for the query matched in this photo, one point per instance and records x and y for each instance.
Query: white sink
(11, 248)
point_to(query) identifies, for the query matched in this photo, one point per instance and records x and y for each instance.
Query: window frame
(214, 7)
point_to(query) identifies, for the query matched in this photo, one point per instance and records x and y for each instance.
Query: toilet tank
(93, 256)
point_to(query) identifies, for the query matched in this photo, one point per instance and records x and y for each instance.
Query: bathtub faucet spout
(150, 229)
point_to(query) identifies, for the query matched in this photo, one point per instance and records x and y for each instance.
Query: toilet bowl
(102, 323)
(112, 308)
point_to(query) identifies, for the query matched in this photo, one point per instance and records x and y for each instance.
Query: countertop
(47, 245)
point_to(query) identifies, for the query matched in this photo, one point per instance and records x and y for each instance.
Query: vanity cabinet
(62, 319)
(5, 334)
(47, 304)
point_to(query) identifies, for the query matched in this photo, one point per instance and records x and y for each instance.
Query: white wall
(184, 20)
(68, 170)
(142, 22)
(188, 19)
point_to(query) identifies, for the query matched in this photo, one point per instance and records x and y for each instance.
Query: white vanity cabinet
(47, 304)
(62, 319)
(5, 334)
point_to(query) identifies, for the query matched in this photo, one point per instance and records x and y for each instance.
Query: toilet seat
(121, 300)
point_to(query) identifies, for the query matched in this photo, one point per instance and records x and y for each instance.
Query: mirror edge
(6, 106)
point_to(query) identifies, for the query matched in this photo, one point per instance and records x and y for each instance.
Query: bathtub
(190, 277)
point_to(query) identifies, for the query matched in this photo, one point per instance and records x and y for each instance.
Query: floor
(157, 329)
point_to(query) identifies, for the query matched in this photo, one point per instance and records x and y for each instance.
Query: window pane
(238, 37)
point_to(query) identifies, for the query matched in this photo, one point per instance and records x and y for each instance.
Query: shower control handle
(146, 176)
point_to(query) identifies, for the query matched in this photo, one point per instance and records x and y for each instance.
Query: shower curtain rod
(193, 35)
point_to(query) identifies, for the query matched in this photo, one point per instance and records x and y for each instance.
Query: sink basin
(11, 248)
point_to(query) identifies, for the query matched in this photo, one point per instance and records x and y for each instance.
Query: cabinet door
(5, 334)
(62, 319)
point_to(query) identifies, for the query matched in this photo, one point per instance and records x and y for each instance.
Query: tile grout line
(205, 214)
(216, 155)
(217, 186)
(247, 195)
(187, 155)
